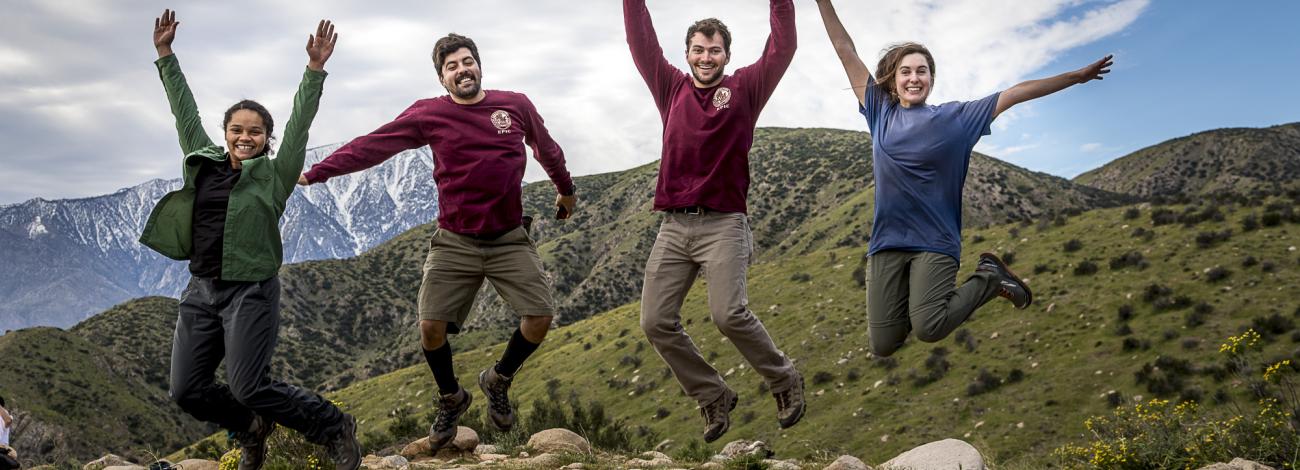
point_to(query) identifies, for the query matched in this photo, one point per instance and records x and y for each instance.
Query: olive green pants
(916, 290)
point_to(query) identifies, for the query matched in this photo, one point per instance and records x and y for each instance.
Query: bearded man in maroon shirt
(478, 138)
(709, 120)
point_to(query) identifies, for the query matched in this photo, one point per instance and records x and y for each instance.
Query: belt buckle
(694, 210)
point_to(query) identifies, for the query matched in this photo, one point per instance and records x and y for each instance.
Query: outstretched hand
(164, 32)
(1094, 71)
(302, 180)
(321, 45)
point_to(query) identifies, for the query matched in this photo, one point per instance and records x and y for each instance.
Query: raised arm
(657, 72)
(857, 71)
(289, 161)
(404, 133)
(186, 112)
(778, 52)
(1032, 89)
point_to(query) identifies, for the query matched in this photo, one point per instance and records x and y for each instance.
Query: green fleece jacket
(251, 246)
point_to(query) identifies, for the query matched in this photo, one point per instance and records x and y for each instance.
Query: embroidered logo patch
(501, 120)
(722, 98)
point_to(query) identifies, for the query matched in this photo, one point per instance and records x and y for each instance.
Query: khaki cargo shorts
(457, 265)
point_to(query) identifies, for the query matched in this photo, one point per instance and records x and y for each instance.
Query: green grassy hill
(1045, 369)
(1240, 161)
(77, 399)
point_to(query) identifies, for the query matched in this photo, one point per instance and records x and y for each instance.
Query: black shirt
(212, 191)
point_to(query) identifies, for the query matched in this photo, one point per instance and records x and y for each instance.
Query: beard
(717, 77)
(464, 94)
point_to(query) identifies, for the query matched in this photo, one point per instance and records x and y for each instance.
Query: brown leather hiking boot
(252, 443)
(1010, 286)
(790, 403)
(717, 415)
(450, 407)
(497, 387)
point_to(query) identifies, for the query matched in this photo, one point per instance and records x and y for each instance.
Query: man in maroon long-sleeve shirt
(478, 138)
(709, 120)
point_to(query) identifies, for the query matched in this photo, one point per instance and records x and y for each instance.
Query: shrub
(1072, 246)
(1125, 312)
(1132, 258)
(800, 277)
(936, 367)
(1165, 377)
(1008, 257)
(1133, 344)
(1216, 274)
(1163, 216)
(822, 378)
(1209, 239)
(860, 276)
(977, 239)
(1131, 213)
(984, 382)
(1249, 261)
(694, 451)
(1197, 316)
(1272, 325)
(887, 363)
(1271, 219)
(1249, 223)
(1085, 268)
(1172, 303)
(965, 339)
(1155, 291)
(1267, 267)
(1041, 268)
(1123, 330)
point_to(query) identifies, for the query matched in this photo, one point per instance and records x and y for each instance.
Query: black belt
(691, 210)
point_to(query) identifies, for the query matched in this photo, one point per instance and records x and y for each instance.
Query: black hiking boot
(450, 407)
(252, 443)
(344, 447)
(1010, 286)
(497, 387)
(790, 404)
(717, 415)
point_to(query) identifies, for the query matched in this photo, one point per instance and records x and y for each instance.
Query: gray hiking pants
(916, 290)
(721, 244)
(239, 322)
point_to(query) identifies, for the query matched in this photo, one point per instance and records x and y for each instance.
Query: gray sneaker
(497, 387)
(344, 447)
(252, 444)
(450, 407)
(717, 415)
(1010, 286)
(790, 404)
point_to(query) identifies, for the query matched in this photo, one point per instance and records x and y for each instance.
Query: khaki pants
(722, 245)
(457, 265)
(916, 290)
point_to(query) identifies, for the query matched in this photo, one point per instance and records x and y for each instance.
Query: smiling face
(245, 134)
(707, 56)
(461, 75)
(912, 80)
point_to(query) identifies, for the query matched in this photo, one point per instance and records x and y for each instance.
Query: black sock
(517, 351)
(440, 363)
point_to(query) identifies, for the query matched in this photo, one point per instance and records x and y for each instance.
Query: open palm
(1095, 70)
(164, 29)
(321, 45)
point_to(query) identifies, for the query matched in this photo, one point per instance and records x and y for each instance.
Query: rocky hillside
(1238, 161)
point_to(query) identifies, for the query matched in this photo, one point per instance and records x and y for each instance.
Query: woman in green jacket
(225, 222)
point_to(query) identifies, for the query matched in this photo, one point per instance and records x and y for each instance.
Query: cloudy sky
(82, 112)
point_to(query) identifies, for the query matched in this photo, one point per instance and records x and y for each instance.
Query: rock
(416, 449)
(847, 462)
(394, 461)
(198, 464)
(948, 454)
(574, 466)
(492, 457)
(1237, 464)
(545, 460)
(665, 445)
(781, 464)
(486, 449)
(654, 454)
(711, 466)
(559, 440)
(466, 439)
(371, 461)
(109, 460)
(649, 459)
(735, 449)
(129, 466)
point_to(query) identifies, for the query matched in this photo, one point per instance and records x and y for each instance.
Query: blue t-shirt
(920, 156)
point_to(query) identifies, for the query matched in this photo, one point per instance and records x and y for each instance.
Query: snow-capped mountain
(62, 261)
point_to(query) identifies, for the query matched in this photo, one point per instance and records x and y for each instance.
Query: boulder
(371, 461)
(781, 464)
(1237, 464)
(735, 449)
(109, 460)
(492, 457)
(416, 449)
(198, 464)
(649, 459)
(847, 462)
(486, 449)
(466, 439)
(559, 440)
(948, 454)
(711, 466)
(394, 462)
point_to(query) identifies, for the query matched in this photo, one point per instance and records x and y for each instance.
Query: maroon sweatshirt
(708, 132)
(478, 157)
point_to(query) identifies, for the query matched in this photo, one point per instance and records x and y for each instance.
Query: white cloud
(1090, 147)
(94, 92)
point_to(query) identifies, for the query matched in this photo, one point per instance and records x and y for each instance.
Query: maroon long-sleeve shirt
(478, 157)
(708, 131)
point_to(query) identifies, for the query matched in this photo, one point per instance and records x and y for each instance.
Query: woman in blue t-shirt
(920, 155)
